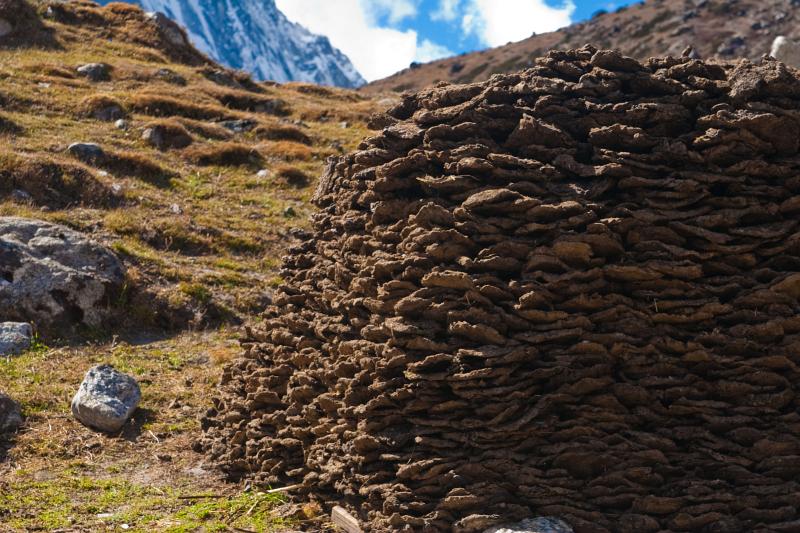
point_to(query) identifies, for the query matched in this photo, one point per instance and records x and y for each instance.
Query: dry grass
(168, 133)
(99, 105)
(137, 165)
(225, 154)
(159, 105)
(248, 101)
(286, 150)
(209, 130)
(292, 176)
(281, 132)
(52, 183)
(9, 127)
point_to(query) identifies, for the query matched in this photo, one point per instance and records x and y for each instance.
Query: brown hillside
(199, 193)
(715, 28)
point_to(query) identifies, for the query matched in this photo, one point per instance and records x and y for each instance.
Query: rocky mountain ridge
(725, 29)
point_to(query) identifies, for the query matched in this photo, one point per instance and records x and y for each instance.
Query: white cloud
(447, 11)
(497, 22)
(352, 26)
(430, 51)
(394, 10)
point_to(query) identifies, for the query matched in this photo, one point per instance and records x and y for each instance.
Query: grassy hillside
(200, 219)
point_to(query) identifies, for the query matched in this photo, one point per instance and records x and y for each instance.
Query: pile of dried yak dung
(571, 291)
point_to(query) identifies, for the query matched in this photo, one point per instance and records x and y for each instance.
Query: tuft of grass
(281, 132)
(225, 154)
(169, 133)
(248, 101)
(287, 150)
(100, 106)
(51, 182)
(134, 164)
(159, 105)
(209, 130)
(292, 176)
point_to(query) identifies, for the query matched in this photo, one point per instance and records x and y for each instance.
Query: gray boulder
(15, 337)
(534, 525)
(106, 399)
(95, 71)
(55, 277)
(173, 33)
(10, 415)
(87, 152)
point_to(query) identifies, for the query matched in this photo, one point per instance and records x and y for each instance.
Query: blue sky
(384, 36)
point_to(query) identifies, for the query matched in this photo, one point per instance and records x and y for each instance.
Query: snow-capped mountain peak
(255, 36)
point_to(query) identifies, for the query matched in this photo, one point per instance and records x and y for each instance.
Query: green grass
(94, 504)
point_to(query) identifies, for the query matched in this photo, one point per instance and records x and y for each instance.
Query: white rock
(106, 399)
(15, 337)
(786, 50)
(95, 71)
(121, 124)
(263, 174)
(534, 525)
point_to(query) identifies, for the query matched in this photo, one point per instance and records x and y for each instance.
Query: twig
(284, 489)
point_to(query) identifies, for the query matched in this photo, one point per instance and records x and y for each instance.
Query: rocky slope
(254, 36)
(715, 28)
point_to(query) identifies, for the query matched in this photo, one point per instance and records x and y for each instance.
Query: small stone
(344, 125)
(170, 76)
(5, 27)
(163, 137)
(263, 174)
(121, 124)
(289, 212)
(87, 152)
(163, 457)
(95, 71)
(106, 399)
(21, 197)
(175, 208)
(10, 415)
(117, 190)
(15, 337)
(238, 126)
(535, 525)
(171, 31)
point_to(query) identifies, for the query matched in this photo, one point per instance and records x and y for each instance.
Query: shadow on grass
(132, 429)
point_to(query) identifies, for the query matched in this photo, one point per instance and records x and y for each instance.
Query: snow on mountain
(255, 36)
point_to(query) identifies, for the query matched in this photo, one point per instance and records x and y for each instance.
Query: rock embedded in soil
(90, 153)
(95, 71)
(571, 291)
(10, 415)
(164, 138)
(55, 277)
(106, 399)
(15, 337)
